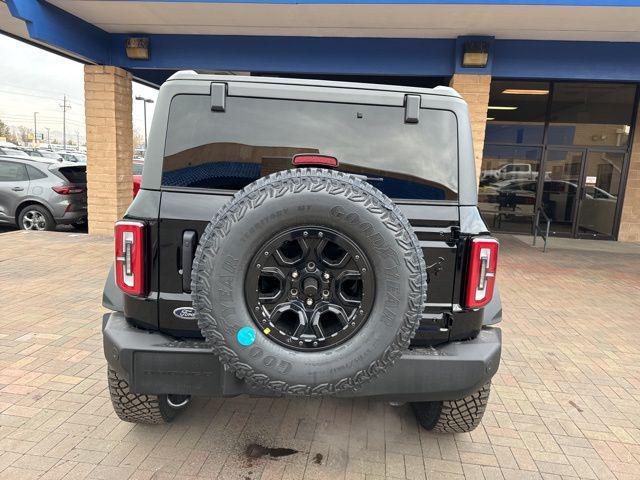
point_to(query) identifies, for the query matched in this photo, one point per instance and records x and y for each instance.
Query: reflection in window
(256, 137)
(517, 112)
(602, 186)
(508, 185)
(591, 114)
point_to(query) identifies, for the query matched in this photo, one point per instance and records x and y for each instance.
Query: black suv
(307, 238)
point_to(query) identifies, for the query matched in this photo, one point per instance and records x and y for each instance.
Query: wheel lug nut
(266, 254)
(305, 234)
(315, 344)
(325, 293)
(311, 266)
(364, 270)
(357, 257)
(294, 275)
(325, 276)
(294, 292)
(309, 301)
(320, 234)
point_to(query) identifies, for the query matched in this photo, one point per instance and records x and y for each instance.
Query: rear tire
(138, 408)
(453, 416)
(36, 217)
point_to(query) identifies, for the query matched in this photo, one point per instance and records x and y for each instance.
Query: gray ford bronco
(304, 238)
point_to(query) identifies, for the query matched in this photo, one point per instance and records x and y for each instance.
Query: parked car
(74, 157)
(511, 171)
(138, 164)
(14, 152)
(38, 196)
(50, 154)
(282, 243)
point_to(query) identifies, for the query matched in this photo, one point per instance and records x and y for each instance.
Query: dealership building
(552, 85)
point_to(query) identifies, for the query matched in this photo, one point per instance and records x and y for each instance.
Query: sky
(34, 80)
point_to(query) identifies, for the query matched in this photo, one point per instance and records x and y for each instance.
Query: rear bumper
(76, 216)
(158, 364)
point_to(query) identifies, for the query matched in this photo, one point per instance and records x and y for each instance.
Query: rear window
(74, 174)
(255, 137)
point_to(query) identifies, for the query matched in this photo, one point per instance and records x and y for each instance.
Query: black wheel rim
(310, 288)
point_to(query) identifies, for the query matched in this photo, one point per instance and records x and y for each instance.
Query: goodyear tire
(453, 416)
(337, 239)
(138, 408)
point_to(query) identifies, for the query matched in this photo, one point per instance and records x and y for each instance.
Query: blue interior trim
(607, 61)
(367, 56)
(615, 61)
(59, 29)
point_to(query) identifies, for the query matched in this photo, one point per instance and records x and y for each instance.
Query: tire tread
(289, 182)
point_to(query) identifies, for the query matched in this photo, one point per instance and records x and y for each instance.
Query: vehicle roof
(41, 161)
(27, 160)
(193, 75)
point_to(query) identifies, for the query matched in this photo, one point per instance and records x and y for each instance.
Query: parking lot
(565, 403)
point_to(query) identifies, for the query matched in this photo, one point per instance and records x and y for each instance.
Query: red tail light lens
(65, 190)
(483, 260)
(310, 160)
(130, 248)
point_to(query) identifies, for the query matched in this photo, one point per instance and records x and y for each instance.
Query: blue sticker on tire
(246, 336)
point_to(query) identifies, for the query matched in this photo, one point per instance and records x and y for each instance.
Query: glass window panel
(517, 112)
(508, 187)
(591, 114)
(560, 188)
(603, 174)
(256, 137)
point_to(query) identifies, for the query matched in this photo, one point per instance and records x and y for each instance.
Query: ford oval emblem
(185, 313)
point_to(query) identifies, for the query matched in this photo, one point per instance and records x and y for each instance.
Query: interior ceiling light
(523, 91)
(497, 107)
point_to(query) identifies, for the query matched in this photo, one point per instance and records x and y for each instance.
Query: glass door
(559, 193)
(600, 187)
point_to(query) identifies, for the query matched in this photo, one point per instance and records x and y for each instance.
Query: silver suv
(38, 196)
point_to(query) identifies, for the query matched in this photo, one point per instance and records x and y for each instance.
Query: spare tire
(309, 282)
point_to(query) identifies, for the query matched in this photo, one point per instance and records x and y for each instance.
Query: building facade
(552, 84)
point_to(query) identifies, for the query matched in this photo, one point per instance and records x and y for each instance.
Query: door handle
(17, 189)
(188, 252)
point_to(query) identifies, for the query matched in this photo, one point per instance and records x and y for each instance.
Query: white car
(511, 171)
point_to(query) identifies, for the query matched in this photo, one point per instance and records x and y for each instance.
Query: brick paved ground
(565, 404)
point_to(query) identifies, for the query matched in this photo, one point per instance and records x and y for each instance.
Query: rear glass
(74, 174)
(255, 137)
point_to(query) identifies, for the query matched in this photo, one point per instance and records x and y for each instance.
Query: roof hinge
(218, 96)
(411, 108)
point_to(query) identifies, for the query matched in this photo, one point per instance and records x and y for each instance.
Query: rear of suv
(305, 238)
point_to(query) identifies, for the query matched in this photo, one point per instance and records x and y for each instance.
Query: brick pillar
(107, 93)
(630, 219)
(475, 90)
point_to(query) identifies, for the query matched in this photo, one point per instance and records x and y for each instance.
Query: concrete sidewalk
(565, 403)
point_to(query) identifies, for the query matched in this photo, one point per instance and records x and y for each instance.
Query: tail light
(483, 260)
(314, 160)
(130, 248)
(66, 190)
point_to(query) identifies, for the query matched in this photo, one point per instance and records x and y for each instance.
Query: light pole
(65, 106)
(144, 103)
(35, 129)
(48, 138)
